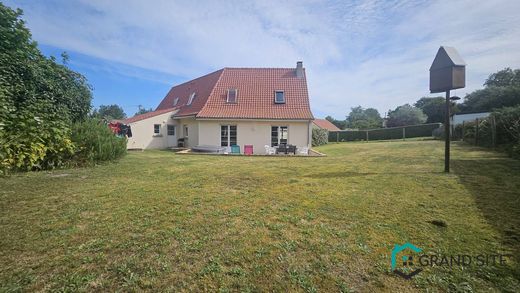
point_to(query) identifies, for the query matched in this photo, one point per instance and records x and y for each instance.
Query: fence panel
(422, 130)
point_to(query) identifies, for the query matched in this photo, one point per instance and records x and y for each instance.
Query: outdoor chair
(291, 149)
(303, 151)
(281, 149)
(269, 150)
(180, 142)
(235, 149)
(248, 149)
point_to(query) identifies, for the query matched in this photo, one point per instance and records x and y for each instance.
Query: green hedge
(95, 143)
(422, 130)
(501, 129)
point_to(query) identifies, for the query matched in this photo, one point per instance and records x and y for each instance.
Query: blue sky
(369, 53)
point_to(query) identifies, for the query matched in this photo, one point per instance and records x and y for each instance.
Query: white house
(231, 106)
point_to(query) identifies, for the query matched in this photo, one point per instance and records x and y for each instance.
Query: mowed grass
(159, 221)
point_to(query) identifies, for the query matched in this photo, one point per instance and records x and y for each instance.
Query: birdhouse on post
(448, 71)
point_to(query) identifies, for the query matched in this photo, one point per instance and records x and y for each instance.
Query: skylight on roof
(232, 95)
(279, 97)
(192, 97)
(175, 102)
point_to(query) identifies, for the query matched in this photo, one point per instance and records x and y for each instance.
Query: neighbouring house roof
(255, 99)
(147, 115)
(325, 124)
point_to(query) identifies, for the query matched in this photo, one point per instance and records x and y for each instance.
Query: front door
(185, 128)
(171, 133)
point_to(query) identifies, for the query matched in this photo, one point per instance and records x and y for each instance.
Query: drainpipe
(309, 129)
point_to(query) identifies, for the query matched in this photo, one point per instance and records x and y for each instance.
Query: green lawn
(160, 221)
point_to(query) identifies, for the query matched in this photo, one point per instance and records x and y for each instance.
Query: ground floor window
(228, 135)
(156, 128)
(171, 129)
(278, 135)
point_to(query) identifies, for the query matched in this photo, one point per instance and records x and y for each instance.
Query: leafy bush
(30, 142)
(95, 142)
(39, 99)
(507, 130)
(319, 136)
(507, 124)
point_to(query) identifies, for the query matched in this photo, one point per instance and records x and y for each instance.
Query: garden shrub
(31, 141)
(507, 122)
(39, 100)
(319, 136)
(95, 143)
(507, 128)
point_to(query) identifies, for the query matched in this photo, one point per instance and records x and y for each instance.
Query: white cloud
(373, 53)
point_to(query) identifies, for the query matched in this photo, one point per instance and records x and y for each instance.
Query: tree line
(115, 112)
(45, 107)
(501, 89)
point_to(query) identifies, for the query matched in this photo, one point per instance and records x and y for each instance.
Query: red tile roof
(202, 88)
(147, 115)
(325, 124)
(255, 99)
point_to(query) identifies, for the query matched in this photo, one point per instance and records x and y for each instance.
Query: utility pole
(447, 134)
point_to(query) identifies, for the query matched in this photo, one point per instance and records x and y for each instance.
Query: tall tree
(341, 124)
(405, 115)
(142, 110)
(501, 89)
(362, 118)
(503, 78)
(109, 112)
(434, 108)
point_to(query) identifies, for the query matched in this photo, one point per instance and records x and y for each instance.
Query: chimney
(299, 69)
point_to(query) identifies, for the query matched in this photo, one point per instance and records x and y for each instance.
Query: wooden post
(476, 132)
(447, 134)
(493, 131)
(367, 135)
(337, 136)
(404, 132)
(463, 130)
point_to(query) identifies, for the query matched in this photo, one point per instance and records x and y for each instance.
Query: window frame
(186, 130)
(190, 100)
(236, 96)
(230, 139)
(279, 135)
(283, 96)
(170, 127)
(157, 129)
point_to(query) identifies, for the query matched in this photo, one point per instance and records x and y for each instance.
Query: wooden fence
(403, 132)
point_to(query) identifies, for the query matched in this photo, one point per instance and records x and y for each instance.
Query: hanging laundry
(125, 130)
(115, 127)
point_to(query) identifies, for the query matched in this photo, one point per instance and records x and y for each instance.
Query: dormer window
(279, 97)
(232, 95)
(192, 97)
(175, 102)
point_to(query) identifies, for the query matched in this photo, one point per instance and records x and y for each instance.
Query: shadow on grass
(494, 181)
(346, 174)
